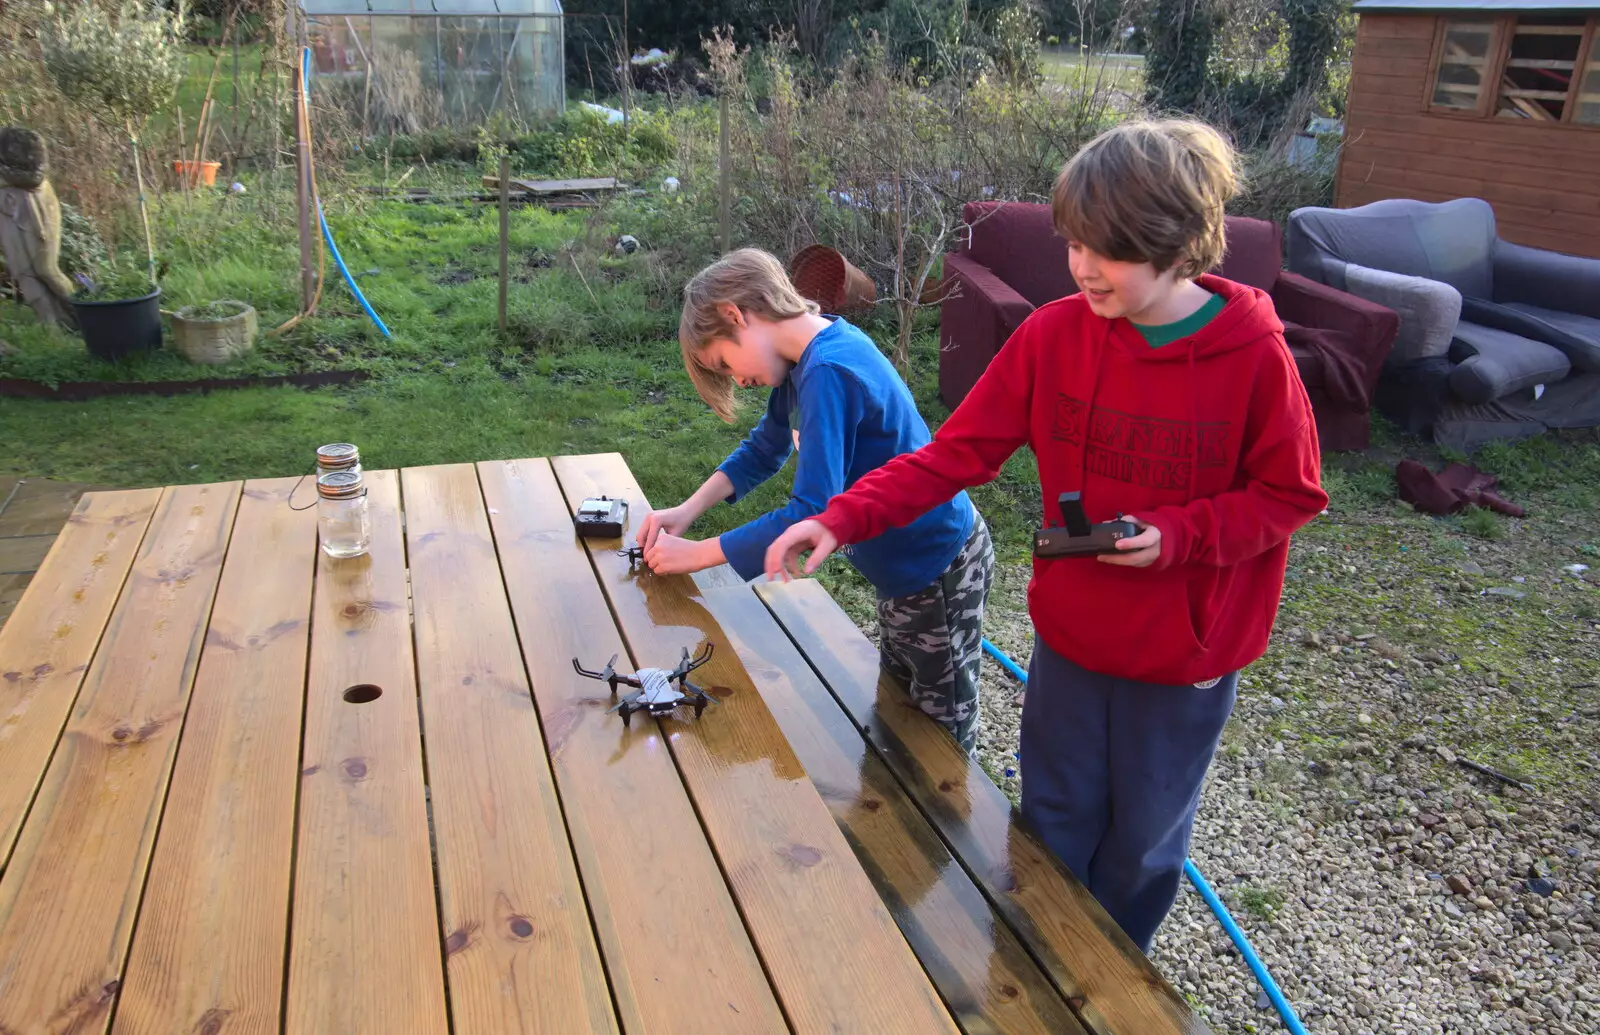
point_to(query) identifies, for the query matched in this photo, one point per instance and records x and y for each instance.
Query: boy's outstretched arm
(760, 456)
(676, 520)
(834, 406)
(969, 449)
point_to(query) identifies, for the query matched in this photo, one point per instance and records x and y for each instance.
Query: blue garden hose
(1291, 1020)
(327, 235)
(1011, 666)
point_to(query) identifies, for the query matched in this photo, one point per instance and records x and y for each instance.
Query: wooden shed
(1480, 98)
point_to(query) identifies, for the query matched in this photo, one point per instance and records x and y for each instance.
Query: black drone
(656, 693)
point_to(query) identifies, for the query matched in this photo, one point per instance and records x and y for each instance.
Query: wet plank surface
(675, 947)
(249, 788)
(835, 956)
(1113, 987)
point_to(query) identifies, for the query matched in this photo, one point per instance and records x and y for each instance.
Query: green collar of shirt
(1161, 334)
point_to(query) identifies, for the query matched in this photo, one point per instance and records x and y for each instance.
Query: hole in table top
(363, 693)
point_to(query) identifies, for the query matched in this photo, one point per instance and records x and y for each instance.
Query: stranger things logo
(1148, 451)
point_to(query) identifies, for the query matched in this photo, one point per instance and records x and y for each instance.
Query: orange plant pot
(197, 173)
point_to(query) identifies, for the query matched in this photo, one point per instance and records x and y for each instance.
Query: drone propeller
(701, 692)
(626, 700)
(700, 659)
(605, 675)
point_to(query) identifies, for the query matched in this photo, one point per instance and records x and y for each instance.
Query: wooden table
(247, 788)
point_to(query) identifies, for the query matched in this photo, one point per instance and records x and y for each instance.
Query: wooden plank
(1498, 134)
(555, 186)
(1375, 97)
(521, 954)
(981, 970)
(365, 955)
(1581, 193)
(1569, 172)
(1419, 47)
(1391, 69)
(830, 946)
(209, 947)
(1395, 26)
(1536, 209)
(1068, 932)
(71, 892)
(21, 555)
(46, 644)
(675, 948)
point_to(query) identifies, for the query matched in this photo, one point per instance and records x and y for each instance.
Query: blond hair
(1150, 191)
(751, 281)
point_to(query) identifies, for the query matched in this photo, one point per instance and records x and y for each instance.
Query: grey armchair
(1496, 339)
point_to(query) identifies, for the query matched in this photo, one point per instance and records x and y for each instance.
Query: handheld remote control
(1076, 537)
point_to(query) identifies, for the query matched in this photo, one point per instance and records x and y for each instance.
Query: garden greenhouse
(401, 66)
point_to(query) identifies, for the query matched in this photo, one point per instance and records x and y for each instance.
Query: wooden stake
(725, 181)
(302, 153)
(505, 234)
(144, 209)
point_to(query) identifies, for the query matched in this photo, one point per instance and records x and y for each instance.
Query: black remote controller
(600, 518)
(1075, 537)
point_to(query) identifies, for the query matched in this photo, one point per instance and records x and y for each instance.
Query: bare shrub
(877, 161)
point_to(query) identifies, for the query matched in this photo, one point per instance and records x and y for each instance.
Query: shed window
(1463, 64)
(1588, 110)
(1534, 68)
(1538, 72)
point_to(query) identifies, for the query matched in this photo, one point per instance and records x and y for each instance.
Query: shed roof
(463, 8)
(1477, 5)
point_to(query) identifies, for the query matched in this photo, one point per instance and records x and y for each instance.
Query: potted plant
(119, 312)
(120, 70)
(214, 333)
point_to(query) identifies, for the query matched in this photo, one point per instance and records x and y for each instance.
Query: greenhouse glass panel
(403, 66)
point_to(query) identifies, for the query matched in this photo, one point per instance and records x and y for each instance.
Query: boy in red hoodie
(1165, 395)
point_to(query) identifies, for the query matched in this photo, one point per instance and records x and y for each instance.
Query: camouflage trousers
(932, 640)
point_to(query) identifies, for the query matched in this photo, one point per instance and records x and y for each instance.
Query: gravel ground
(1388, 887)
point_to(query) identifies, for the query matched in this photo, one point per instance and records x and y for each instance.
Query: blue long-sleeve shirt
(850, 413)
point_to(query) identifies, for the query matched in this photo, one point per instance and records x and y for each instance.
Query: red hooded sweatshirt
(1209, 438)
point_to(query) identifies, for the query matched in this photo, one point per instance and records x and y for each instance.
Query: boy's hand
(673, 520)
(1138, 551)
(783, 556)
(670, 555)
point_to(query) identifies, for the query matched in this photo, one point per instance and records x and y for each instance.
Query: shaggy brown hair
(1150, 191)
(752, 281)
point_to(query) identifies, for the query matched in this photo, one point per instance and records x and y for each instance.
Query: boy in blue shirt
(838, 403)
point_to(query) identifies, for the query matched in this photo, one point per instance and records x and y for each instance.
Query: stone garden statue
(30, 226)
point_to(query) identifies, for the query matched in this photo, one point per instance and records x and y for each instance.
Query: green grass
(575, 374)
(1261, 903)
(1071, 67)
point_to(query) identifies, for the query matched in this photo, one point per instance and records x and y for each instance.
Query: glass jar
(338, 456)
(342, 522)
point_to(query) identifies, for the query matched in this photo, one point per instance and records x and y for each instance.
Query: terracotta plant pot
(827, 278)
(197, 173)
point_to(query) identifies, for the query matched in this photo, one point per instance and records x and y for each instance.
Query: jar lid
(340, 485)
(337, 455)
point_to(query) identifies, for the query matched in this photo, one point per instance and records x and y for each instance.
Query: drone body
(659, 690)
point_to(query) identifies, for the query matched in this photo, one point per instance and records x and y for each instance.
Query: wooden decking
(32, 511)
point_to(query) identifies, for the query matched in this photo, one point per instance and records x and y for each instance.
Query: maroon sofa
(1010, 261)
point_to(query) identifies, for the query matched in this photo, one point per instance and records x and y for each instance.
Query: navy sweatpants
(1111, 776)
